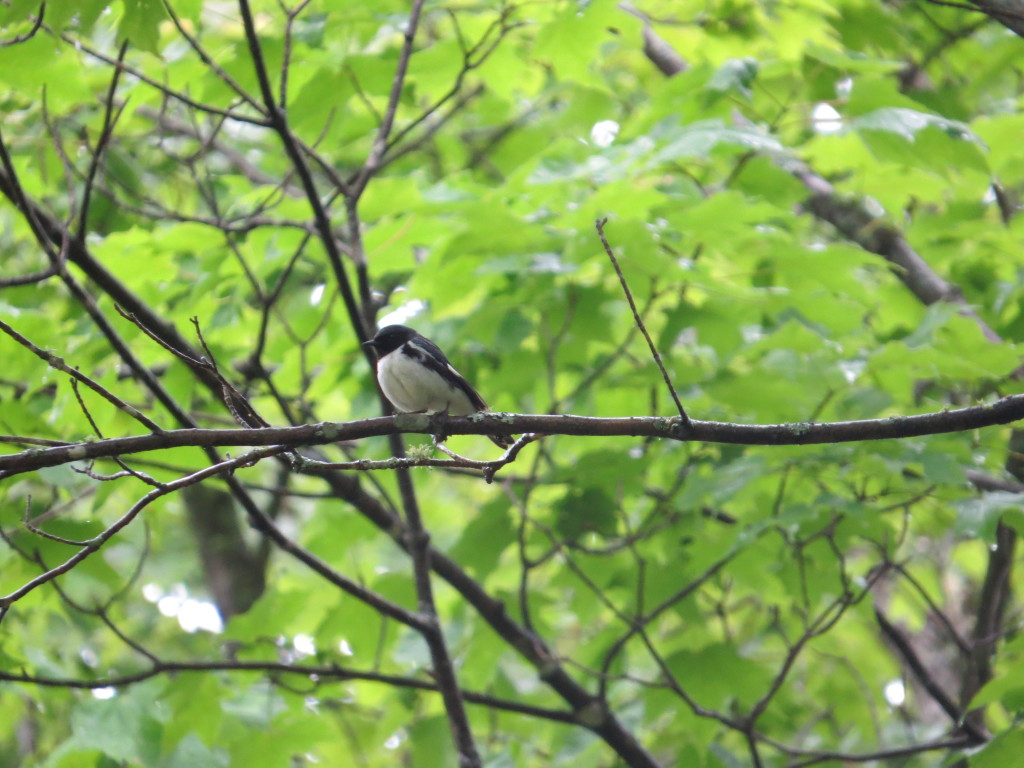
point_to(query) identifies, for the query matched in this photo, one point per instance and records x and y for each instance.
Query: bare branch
(892, 753)
(106, 132)
(1009, 13)
(330, 672)
(380, 143)
(57, 363)
(640, 323)
(167, 91)
(40, 14)
(94, 544)
(279, 122)
(913, 661)
(1003, 411)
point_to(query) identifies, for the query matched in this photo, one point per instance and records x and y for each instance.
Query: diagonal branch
(913, 661)
(55, 362)
(279, 123)
(106, 132)
(380, 143)
(94, 544)
(36, 26)
(640, 323)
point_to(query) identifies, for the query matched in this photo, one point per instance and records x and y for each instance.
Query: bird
(416, 377)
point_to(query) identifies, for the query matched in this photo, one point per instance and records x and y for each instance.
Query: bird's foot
(440, 420)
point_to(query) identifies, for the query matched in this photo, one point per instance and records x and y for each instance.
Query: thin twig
(279, 122)
(380, 142)
(640, 323)
(110, 118)
(95, 543)
(31, 33)
(162, 88)
(324, 672)
(55, 362)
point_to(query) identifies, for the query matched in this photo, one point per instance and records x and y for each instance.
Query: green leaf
(698, 139)
(1007, 688)
(735, 75)
(570, 42)
(191, 752)
(1001, 751)
(140, 24)
(121, 727)
(431, 741)
(716, 676)
(929, 140)
(942, 468)
(587, 510)
(484, 539)
(853, 60)
(978, 517)
(906, 123)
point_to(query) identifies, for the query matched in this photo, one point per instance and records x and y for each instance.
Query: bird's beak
(370, 343)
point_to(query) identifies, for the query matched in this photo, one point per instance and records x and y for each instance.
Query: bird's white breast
(412, 388)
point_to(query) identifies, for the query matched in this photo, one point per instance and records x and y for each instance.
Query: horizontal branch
(319, 673)
(891, 753)
(1003, 411)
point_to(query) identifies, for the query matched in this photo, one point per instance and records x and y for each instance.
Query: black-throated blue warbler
(416, 377)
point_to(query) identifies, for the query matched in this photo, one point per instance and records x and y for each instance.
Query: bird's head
(390, 338)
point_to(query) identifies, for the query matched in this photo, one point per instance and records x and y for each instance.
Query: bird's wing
(433, 358)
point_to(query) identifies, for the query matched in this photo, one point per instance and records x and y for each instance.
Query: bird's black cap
(390, 338)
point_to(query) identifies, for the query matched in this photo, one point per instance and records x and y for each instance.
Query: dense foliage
(207, 206)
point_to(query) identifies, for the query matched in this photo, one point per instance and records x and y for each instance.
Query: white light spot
(88, 657)
(394, 741)
(304, 645)
(169, 606)
(825, 118)
(895, 693)
(317, 294)
(751, 333)
(344, 648)
(404, 313)
(199, 614)
(104, 693)
(844, 87)
(852, 369)
(152, 592)
(604, 132)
